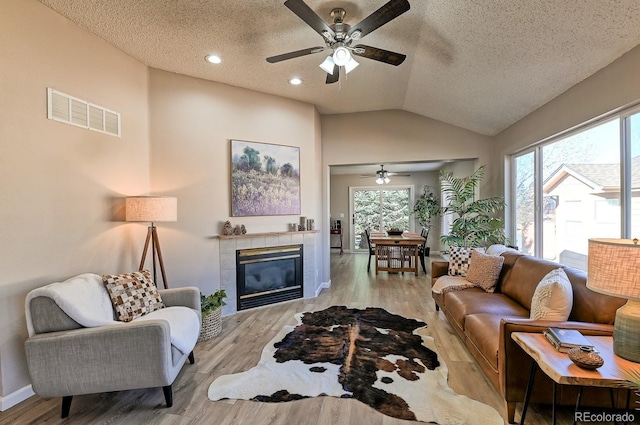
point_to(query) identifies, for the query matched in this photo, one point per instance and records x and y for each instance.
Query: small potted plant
(211, 307)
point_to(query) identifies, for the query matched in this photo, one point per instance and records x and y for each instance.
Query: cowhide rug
(371, 355)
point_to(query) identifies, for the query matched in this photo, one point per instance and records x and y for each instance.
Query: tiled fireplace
(233, 249)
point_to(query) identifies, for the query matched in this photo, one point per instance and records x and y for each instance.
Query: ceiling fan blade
(304, 12)
(399, 174)
(296, 54)
(381, 55)
(333, 78)
(386, 13)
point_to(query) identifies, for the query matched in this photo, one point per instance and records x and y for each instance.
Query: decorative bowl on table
(585, 357)
(395, 232)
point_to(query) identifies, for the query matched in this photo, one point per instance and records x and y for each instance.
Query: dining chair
(423, 250)
(372, 249)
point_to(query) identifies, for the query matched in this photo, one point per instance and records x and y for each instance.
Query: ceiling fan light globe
(379, 180)
(327, 65)
(341, 56)
(387, 179)
(351, 65)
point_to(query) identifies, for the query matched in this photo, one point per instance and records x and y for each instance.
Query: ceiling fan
(382, 175)
(339, 36)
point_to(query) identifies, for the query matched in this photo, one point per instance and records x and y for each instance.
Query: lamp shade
(151, 208)
(614, 267)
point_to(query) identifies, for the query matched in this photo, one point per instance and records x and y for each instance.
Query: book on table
(565, 339)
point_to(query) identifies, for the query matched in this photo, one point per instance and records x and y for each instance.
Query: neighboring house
(584, 200)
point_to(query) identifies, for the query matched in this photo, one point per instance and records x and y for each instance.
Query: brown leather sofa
(484, 321)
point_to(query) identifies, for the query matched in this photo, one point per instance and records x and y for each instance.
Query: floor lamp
(152, 209)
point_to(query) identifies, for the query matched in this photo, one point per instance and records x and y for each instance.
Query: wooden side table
(337, 232)
(563, 371)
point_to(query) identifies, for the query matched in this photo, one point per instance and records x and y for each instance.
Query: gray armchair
(66, 359)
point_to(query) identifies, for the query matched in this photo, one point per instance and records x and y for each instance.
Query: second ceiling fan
(382, 175)
(339, 36)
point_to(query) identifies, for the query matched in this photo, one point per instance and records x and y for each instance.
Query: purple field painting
(265, 179)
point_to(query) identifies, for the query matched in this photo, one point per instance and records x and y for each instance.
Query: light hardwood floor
(238, 348)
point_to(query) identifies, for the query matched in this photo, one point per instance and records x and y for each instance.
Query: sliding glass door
(378, 209)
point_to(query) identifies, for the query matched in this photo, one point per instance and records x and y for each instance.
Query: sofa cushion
(475, 300)
(459, 258)
(484, 270)
(553, 297)
(184, 325)
(483, 330)
(133, 294)
(524, 277)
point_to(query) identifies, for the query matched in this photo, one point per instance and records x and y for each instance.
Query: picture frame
(265, 179)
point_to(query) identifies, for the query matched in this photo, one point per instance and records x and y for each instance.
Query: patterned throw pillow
(459, 258)
(553, 297)
(132, 294)
(484, 270)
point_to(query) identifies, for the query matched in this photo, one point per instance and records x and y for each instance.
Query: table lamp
(614, 269)
(152, 209)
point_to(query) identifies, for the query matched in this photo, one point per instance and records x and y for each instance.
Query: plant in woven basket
(211, 307)
(211, 302)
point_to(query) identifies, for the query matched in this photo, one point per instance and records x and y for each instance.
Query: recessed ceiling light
(213, 59)
(295, 81)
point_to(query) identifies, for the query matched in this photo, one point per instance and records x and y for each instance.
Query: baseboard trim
(323, 285)
(15, 397)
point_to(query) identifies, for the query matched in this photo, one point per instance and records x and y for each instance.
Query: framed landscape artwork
(265, 179)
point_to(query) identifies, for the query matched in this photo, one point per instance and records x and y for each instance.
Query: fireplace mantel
(258, 235)
(230, 244)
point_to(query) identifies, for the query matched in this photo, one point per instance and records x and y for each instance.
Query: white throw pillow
(496, 249)
(553, 297)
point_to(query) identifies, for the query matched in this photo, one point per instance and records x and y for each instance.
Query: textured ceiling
(477, 64)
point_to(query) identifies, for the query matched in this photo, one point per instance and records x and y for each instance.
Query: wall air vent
(71, 110)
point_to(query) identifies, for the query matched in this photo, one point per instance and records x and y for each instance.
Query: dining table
(396, 253)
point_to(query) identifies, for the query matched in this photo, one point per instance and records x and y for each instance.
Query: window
(579, 186)
(525, 201)
(632, 129)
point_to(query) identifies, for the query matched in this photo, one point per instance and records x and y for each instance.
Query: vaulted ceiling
(478, 64)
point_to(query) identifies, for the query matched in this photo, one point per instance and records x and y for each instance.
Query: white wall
(60, 185)
(192, 122)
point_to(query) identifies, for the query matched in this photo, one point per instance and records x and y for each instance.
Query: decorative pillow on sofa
(133, 294)
(484, 270)
(459, 258)
(553, 297)
(496, 249)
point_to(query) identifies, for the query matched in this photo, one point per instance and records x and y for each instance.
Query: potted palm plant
(211, 307)
(474, 223)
